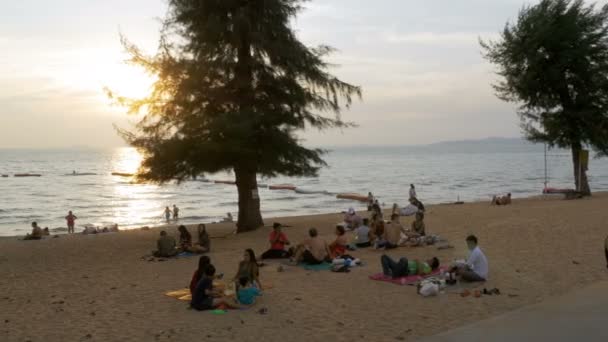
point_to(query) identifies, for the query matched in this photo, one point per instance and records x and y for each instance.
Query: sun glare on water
(126, 160)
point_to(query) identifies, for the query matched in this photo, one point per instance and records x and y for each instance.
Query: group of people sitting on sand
(167, 246)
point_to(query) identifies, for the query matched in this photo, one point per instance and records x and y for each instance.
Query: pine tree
(553, 61)
(234, 87)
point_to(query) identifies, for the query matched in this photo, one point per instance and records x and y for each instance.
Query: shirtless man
(312, 251)
(392, 234)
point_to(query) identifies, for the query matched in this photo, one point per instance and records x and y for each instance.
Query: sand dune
(97, 288)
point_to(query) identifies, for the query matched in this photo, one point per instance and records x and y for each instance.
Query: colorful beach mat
(409, 280)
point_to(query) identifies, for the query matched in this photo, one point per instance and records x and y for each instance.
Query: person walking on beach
(175, 212)
(70, 219)
(167, 214)
(412, 191)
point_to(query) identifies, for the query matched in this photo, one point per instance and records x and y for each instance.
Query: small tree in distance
(234, 86)
(554, 62)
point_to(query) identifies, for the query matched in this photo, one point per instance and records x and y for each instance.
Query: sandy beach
(98, 288)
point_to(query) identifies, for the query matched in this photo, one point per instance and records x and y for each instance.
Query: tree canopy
(553, 62)
(234, 87)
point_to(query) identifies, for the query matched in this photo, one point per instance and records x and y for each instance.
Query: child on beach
(167, 214)
(70, 220)
(175, 212)
(204, 296)
(246, 293)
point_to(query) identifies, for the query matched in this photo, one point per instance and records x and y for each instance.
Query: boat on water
(122, 174)
(27, 175)
(306, 191)
(80, 174)
(352, 196)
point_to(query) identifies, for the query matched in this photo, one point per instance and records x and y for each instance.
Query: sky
(419, 63)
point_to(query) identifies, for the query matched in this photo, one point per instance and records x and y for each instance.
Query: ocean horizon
(443, 172)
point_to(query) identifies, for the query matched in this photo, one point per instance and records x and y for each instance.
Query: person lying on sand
(166, 246)
(405, 267)
(245, 293)
(363, 235)
(475, 269)
(36, 233)
(312, 251)
(204, 242)
(338, 247)
(278, 241)
(392, 234)
(248, 268)
(205, 297)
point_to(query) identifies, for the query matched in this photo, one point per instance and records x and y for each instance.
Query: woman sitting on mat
(185, 239)
(203, 263)
(248, 268)
(405, 267)
(278, 241)
(205, 297)
(338, 247)
(204, 242)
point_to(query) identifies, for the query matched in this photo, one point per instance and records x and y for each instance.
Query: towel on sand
(409, 280)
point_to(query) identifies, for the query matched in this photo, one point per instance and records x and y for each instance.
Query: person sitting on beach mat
(405, 267)
(363, 235)
(475, 269)
(278, 241)
(392, 234)
(166, 246)
(204, 242)
(203, 262)
(204, 296)
(338, 247)
(249, 269)
(312, 251)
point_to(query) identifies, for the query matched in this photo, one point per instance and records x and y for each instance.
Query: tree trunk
(580, 174)
(250, 217)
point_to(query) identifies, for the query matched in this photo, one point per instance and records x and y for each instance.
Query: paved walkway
(579, 316)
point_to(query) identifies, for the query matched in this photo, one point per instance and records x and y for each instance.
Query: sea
(442, 173)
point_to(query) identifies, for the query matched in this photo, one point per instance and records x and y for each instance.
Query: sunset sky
(418, 62)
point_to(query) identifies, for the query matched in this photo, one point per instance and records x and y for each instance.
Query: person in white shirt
(412, 191)
(362, 235)
(476, 267)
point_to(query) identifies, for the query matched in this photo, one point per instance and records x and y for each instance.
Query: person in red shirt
(71, 218)
(278, 241)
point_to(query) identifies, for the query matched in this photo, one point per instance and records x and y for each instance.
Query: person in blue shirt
(246, 294)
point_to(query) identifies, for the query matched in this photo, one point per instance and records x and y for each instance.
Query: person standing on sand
(412, 191)
(167, 214)
(175, 212)
(70, 219)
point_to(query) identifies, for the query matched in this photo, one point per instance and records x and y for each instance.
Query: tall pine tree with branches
(234, 87)
(553, 61)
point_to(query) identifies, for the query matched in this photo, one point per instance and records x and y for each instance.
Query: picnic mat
(325, 266)
(409, 280)
(184, 294)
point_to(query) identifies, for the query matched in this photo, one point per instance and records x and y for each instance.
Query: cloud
(435, 38)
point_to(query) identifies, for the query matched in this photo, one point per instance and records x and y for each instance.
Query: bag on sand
(429, 289)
